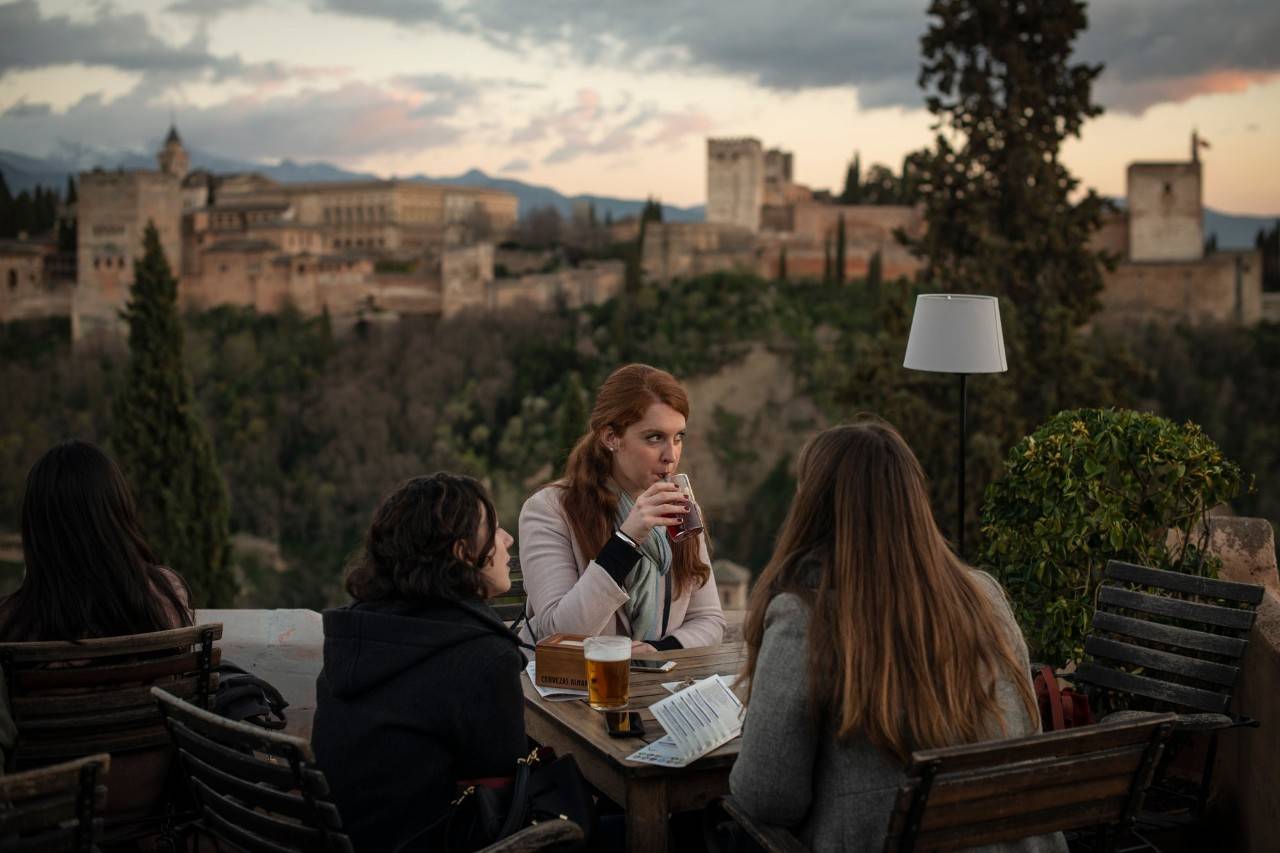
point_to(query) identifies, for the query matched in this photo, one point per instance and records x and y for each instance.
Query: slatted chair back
(255, 789)
(52, 809)
(510, 605)
(986, 793)
(1186, 634)
(71, 699)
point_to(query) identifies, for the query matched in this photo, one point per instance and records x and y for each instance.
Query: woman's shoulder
(546, 501)
(787, 611)
(177, 585)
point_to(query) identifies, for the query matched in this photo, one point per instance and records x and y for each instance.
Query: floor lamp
(956, 333)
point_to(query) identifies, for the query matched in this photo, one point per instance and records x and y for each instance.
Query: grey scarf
(644, 584)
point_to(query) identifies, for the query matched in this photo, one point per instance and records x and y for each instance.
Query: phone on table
(652, 665)
(623, 723)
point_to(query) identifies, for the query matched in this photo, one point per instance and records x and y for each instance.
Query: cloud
(209, 9)
(350, 123)
(519, 165)
(123, 41)
(1155, 50)
(23, 109)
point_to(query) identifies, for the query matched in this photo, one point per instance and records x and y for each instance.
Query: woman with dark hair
(867, 638)
(421, 681)
(593, 545)
(88, 573)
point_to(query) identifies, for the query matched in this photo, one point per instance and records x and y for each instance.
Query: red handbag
(1060, 708)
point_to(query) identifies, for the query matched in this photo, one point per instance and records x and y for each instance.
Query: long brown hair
(903, 645)
(589, 503)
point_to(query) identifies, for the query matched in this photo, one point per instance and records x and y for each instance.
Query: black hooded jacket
(412, 698)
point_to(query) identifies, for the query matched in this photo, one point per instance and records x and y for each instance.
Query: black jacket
(413, 697)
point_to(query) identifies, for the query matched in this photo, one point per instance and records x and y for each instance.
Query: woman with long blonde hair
(868, 638)
(593, 545)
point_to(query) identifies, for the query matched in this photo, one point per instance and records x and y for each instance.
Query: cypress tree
(161, 443)
(840, 249)
(826, 258)
(71, 196)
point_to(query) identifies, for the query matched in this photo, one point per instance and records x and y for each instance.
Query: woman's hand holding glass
(662, 504)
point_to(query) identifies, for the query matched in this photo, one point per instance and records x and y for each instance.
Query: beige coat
(572, 594)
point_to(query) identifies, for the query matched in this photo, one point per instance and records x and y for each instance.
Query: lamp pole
(964, 406)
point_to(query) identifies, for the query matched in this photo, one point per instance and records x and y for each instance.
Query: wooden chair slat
(1152, 688)
(157, 641)
(772, 838)
(33, 752)
(103, 700)
(75, 677)
(236, 733)
(241, 837)
(1186, 638)
(287, 832)
(47, 811)
(998, 807)
(135, 716)
(48, 780)
(1105, 736)
(1022, 826)
(1190, 611)
(1071, 770)
(254, 795)
(40, 809)
(1161, 661)
(227, 759)
(547, 835)
(1244, 593)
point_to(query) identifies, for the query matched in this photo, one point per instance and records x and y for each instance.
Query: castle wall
(1224, 287)
(26, 289)
(1166, 222)
(590, 284)
(682, 249)
(735, 182)
(465, 276)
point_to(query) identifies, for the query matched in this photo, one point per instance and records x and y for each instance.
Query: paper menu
(697, 720)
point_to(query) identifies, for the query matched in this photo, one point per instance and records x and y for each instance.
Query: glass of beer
(608, 672)
(691, 522)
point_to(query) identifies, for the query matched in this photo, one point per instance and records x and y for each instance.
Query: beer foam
(608, 649)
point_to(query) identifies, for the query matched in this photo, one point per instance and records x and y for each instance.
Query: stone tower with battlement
(1166, 216)
(173, 157)
(735, 182)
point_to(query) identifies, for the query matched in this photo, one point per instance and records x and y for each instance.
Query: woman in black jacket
(421, 681)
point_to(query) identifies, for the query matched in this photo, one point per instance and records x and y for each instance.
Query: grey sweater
(793, 773)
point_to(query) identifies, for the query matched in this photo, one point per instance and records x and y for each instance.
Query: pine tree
(840, 248)
(1002, 85)
(162, 445)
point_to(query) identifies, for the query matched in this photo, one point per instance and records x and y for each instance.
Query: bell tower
(173, 157)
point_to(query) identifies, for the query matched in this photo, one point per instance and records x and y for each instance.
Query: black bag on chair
(545, 788)
(248, 699)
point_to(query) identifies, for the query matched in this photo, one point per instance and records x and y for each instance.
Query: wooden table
(648, 793)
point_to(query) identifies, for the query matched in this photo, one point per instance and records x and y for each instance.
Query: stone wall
(1166, 222)
(684, 249)
(1224, 287)
(1245, 803)
(1271, 307)
(27, 290)
(735, 182)
(572, 287)
(465, 276)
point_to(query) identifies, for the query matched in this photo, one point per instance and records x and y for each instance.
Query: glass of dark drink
(691, 522)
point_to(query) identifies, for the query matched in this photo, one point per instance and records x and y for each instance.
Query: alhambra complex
(368, 249)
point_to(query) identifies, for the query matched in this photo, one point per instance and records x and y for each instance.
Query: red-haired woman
(593, 545)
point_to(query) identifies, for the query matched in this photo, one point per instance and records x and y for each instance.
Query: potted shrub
(1089, 486)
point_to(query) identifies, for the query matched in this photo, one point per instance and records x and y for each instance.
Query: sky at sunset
(613, 98)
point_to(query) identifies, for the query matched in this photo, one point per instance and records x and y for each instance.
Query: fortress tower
(735, 182)
(1166, 216)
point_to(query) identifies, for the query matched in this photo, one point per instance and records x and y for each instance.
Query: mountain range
(21, 172)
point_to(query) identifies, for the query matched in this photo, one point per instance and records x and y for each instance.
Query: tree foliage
(161, 443)
(1089, 486)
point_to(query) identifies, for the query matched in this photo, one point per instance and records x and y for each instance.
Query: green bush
(1089, 486)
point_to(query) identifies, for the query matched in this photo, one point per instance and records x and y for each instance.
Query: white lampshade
(956, 333)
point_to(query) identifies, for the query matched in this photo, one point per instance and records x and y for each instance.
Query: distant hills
(24, 172)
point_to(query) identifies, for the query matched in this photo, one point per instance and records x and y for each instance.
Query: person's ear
(609, 439)
(460, 552)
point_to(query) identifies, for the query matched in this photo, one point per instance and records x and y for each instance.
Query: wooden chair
(1092, 778)
(260, 790)
(510, 605)
(52, 809)
(1170, 641)
(72, 699)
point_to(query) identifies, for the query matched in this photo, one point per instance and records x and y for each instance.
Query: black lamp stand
(964, 402)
